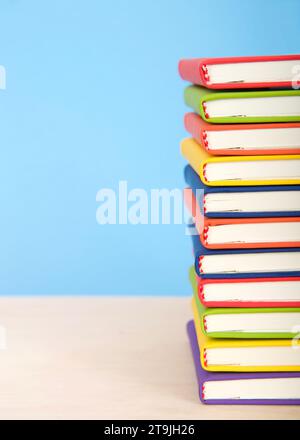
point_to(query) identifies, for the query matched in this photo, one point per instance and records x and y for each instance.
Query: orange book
(244, 139)
(237, 233)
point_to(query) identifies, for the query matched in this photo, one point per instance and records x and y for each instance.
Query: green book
(222, 107)
(247, 323)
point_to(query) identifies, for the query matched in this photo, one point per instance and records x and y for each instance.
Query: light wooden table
(104, 358)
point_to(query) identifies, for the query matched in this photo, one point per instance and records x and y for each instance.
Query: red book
(242, 72)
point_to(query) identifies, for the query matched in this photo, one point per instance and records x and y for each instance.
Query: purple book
(212, 391)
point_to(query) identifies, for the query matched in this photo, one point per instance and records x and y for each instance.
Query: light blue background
(93, 97)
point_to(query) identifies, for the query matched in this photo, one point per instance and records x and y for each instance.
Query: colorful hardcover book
(241, 170)
(230, 233)
(247, 292)
(244, 201)
(252, 355)
(243, 388)
(244, 139)
(248, 323)
(241, 72)
(219, 107)
(244, 263)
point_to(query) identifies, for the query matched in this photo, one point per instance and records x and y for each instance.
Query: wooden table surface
(104, 358)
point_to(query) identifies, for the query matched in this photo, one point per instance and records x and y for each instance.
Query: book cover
(198, 98)
(201, 131)
(199, 159)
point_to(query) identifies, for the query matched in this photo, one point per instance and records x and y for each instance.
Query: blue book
(244, 263)
(244, 201)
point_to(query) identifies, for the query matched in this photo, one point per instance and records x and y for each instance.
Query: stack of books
(243, 193)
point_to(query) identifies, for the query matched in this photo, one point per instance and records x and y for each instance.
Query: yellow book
(241, 170)
(246, 355)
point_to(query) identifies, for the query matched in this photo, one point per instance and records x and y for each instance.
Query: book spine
(192, 71)
(205, 72)
(203, 392)
(200, 266)
(205, 111)
(205, 357)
